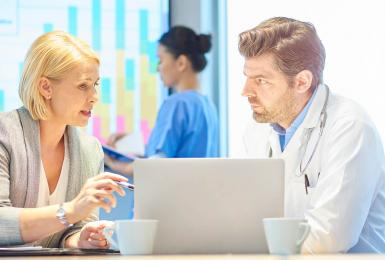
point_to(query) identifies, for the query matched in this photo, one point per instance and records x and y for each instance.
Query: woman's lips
(86, 113)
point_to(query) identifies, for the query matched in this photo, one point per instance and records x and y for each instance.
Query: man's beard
(264, 116)
(278, 114)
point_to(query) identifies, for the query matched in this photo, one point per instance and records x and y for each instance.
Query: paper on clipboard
(131, 144)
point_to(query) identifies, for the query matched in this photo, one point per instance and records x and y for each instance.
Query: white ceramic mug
(134, 237)
(285, 236)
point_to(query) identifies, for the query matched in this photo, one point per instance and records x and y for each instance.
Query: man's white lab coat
(345, 204)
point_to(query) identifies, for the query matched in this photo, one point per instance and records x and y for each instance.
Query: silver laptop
(209, 206)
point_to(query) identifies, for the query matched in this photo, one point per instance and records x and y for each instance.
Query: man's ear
(45, 88)
(182, 62)
(302, 81)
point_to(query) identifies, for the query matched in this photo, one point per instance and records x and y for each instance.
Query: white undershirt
(59, 194)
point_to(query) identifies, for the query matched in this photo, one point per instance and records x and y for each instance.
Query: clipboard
(114, 154)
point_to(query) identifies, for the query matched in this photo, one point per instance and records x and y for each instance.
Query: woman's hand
(112, 139)
(96, 192)
(90, 236)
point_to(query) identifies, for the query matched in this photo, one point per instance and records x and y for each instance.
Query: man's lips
(255, 106)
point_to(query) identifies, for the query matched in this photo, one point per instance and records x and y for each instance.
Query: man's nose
(247, 90)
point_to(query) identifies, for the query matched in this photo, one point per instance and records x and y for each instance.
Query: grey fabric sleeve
(10, 227)
(9, 216)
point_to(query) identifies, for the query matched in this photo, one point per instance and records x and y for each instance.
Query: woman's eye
(83, 86)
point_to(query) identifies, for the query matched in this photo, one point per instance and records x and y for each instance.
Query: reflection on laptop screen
(209, 205)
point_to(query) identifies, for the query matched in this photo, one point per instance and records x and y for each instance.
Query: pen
(307, 184)
(126, 185)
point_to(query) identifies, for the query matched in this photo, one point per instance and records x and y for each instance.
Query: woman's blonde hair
(51, 55)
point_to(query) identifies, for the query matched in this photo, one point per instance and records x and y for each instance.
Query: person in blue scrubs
(187, 122)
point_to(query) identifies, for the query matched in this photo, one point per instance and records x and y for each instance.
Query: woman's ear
(45, 88)
(182, 63)
(302, 81)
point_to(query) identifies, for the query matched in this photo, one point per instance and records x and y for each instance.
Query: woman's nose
(94, 96)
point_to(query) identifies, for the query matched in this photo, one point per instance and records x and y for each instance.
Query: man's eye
(83, 86)
(261, 81)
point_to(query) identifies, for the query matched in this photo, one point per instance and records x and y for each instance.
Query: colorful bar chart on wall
(124, 34)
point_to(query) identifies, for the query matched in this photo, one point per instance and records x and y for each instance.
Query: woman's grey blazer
(20, 171)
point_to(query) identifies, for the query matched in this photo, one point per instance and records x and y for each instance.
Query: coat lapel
(31, 132)
(75, 163)
(295, 150)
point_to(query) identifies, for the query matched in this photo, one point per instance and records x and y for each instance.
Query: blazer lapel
(75, 164)
(31, 132)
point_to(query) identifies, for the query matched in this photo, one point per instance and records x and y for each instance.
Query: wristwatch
(61, 216)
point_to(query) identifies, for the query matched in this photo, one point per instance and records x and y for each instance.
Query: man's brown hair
(295, 45)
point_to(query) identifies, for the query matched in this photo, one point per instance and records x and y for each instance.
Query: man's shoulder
(346, 115)
(343, 108)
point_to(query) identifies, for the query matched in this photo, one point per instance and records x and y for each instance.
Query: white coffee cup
(285, 236)
(134, 237)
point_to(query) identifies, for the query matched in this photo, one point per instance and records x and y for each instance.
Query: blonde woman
(50, 186)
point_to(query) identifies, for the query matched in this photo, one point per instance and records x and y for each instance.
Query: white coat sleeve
(348, 183)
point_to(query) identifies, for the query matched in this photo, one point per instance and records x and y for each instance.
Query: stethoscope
(322, 119)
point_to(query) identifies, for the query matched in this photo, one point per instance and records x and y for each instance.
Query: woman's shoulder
(189, 96)
(9, 122)
(10, 117)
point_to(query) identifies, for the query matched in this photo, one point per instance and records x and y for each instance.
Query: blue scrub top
(186, 126)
